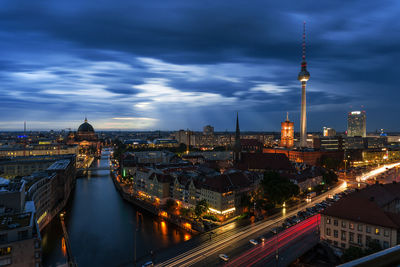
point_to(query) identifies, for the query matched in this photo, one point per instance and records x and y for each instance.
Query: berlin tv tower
(303, 77)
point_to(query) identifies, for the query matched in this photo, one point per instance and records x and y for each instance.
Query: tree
(373, 246)
(186, 212)
(329, 178)
(278, 189)
(331, 163)
(201, 208)
(352, 253)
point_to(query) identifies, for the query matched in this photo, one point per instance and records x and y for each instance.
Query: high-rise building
(287, 133)
(208, 130)
(356, 124)
(303, 77)
(329, 131)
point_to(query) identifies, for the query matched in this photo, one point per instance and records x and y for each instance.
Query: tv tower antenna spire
(303, 77)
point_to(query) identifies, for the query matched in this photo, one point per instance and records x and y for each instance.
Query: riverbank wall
(176, 220)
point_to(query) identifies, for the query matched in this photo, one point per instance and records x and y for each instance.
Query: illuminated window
(351, 226)
(5, 251)
(377, 231)
(328, 220)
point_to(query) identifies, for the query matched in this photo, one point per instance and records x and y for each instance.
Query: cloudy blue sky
(148, 65)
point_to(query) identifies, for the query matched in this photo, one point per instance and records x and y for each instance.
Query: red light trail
(263, 250)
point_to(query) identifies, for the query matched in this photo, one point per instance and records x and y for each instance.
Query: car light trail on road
(376, 172)
(265, 250)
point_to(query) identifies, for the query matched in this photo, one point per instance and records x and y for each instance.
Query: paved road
(228, 241)
(234, 239)
(263, 252)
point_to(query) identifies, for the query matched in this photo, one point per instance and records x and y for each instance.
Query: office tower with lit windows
(356, 124)
(287, 133)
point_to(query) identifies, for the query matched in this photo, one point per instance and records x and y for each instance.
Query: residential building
(50, 190)
(20, 241)
(370, 214)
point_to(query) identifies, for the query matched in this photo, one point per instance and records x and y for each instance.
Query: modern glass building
(356, 124)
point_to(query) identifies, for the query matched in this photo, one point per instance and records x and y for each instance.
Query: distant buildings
(287, 133)
(19, 150)
(308, 156)
(208, 130)
(86, 138)
(329, 132)
(356, 124)
(369, 215)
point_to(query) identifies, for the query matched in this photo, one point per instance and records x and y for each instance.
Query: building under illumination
(356, 124)
(287, 133)
(329, 131)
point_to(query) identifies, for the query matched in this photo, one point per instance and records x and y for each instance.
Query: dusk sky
(149, 65)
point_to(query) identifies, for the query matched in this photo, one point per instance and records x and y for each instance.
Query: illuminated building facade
(86, 138)
(356, 124)
(329, 132)
(287, 133)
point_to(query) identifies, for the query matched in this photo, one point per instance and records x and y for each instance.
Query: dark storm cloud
(154, 59)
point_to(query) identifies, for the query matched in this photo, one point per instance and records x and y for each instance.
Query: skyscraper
(356, 124)
(287, 133)
(303, 77)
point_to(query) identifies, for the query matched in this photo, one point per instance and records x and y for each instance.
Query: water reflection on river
(102, 226)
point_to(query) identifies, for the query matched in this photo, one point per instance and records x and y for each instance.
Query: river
(101, 226)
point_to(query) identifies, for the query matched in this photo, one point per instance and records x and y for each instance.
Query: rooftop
(265, 161)
(9, 222)
(59, 165)
(369, 205)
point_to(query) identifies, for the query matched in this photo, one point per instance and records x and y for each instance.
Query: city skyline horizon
(195, 64)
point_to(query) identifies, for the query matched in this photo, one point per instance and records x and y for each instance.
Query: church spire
(237, 149)
(85, 119)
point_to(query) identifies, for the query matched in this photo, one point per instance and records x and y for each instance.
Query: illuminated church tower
(287, 132)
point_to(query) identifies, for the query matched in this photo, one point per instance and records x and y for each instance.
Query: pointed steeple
(237, 148)
(237, 127)
(85, 119)
(287, 116)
